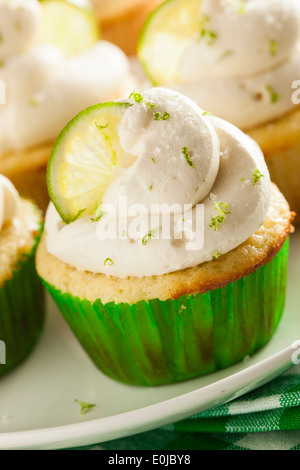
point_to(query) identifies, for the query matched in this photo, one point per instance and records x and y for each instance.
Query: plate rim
(159, 414)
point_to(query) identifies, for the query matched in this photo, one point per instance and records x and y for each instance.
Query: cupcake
(238, 60)
(121, 20)
(46, 87)
(21, 292)
(170, 261)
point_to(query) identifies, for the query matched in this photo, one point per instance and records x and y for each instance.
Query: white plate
(37, 408)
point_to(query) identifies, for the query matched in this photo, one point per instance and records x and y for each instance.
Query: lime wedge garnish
(165, 36)
(69, 24)
(85, 158)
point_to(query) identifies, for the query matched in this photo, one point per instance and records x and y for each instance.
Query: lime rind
(164, 38)
(85, 158)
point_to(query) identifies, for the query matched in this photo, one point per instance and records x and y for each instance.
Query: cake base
(27, 170)
(280, 143)
(21, 291)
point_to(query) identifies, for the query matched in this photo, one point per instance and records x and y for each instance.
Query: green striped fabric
(266, 419)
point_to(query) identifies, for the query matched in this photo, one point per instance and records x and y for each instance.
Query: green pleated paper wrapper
(160, 342)
(21, 313)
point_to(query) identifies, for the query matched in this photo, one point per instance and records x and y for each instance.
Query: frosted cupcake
(122, 20)
(21, 292)
(45, 88)
(166, 249)
(238, 60)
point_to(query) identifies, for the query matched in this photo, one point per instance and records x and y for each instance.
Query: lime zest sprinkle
(274, 96)
(209, 35)
(108, 262)
(151, 105)
(151, 186)
(185, 152)
(273, 47)
(242, 179)
(226, 54)
(84, 407)
(148, 236)
(159, 117)
(101, 127)
(222, 208)
(207, 113)
(138, 98)
(153, 159)
(99, 214)
(204, 19)
(216, 255)
(206, 33)
(257, 175)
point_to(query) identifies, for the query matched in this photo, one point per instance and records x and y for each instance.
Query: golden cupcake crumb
(17, 238)
(259, 249)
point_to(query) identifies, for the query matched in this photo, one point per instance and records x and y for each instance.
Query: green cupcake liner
(158, 342)
(21, 313)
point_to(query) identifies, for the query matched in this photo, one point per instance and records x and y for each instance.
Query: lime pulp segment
(85, 158)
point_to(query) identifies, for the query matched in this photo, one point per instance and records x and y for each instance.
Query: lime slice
(70, 25)
(165, 37)
(85, 158)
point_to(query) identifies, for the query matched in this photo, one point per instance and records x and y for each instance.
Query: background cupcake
(51, 73)
(21, 292)
(238, 60)
(122, 20)
(150, 307)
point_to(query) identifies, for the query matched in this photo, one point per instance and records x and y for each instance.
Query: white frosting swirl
(243, 65)
(19, 26)
(219, 168)
(8, 201)
(44, 89)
